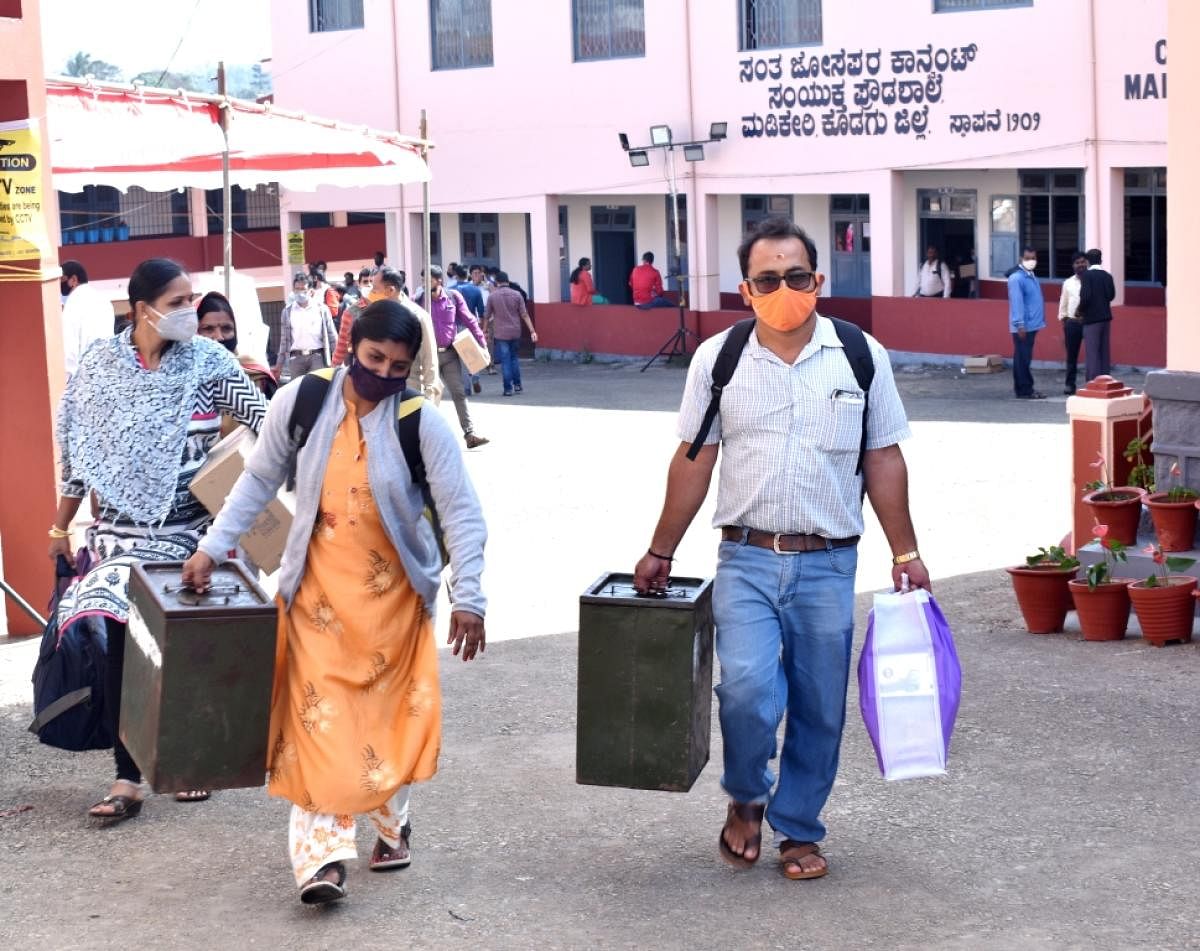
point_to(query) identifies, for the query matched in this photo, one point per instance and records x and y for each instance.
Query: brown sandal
(750, 812)
(385, 857)
(120, 808)
(792, 867)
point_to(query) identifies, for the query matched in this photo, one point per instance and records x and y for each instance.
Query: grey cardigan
(398, 500)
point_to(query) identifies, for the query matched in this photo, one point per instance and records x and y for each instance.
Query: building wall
(1048, 85)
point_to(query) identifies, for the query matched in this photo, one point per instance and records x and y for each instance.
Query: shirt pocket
(842, 429)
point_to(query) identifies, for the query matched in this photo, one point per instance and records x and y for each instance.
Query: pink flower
(1155, 553)
(1100, 531)
(1099, 463)
(1175, 470)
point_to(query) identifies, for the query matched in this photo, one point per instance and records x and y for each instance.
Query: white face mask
(179, 324)
(1029, 265)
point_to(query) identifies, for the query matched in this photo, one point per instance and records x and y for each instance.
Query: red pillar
(31, 361)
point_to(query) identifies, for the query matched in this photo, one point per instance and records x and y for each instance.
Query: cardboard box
(987, 363)
(265, 541)
(475, 357)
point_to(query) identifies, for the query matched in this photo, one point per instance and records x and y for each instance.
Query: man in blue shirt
(475, 300)
(1026, 316)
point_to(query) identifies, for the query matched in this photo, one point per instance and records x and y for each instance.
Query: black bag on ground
(68, 679)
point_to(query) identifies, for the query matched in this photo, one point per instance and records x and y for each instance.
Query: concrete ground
(1068, 818)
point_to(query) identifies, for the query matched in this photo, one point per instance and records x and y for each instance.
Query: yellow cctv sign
(295, 247)
(22, 219)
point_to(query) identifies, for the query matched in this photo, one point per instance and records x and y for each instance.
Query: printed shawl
(122, 429)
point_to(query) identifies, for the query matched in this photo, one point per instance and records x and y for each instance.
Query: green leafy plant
(1104, 484)
(1053, 557)
(1166, 564)
(1114, 551)
(1179, 492)
(1142, 473)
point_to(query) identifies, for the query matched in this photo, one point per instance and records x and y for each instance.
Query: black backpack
(309, 400)
(68, 679)
(854, 342)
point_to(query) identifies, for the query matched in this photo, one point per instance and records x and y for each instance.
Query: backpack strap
(722, 373)
(858, 353)
(408, 431)
(310, 397)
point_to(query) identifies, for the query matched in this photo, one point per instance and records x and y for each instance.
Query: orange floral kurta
(356, 712)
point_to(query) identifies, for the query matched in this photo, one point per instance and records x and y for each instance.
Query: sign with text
(295, 246)
(22, 216)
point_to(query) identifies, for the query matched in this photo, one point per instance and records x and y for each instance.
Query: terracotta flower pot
(1120, 509)
(1166, 611)
(1103, 611)
(1043, 595)
(1174, 522)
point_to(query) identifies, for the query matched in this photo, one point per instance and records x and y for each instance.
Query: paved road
(1068, 818)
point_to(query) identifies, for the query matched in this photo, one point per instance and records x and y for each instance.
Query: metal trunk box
(199, 670)
(645, 684)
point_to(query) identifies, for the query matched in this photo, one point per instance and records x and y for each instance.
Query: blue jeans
(785, 624)
(506, 356)
(1022, 359)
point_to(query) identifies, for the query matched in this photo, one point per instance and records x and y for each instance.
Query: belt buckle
(775, 545)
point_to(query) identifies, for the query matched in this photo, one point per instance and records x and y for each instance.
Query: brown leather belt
(784, 544)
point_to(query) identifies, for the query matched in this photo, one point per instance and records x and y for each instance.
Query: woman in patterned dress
(136, 423)
(356, 712)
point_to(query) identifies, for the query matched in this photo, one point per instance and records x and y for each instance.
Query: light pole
(639, 157)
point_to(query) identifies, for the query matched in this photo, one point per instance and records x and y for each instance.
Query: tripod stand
(676, 345)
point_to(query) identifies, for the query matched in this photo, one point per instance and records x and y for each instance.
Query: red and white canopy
(158, 139)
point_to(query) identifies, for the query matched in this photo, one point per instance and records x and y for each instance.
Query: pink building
(881, 126)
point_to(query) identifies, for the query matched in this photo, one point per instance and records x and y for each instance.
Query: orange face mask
(784, 309)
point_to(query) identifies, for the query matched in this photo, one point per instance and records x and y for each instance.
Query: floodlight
(660, 135)
(639, 158)
(694, 152)
(624, 140)
(718, 130)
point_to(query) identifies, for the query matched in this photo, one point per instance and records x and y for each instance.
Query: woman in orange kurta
(582, 285)
(356, 711)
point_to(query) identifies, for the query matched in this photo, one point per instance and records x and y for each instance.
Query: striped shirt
(790, 434)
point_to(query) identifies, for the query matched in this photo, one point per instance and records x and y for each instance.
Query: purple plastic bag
(909, 684)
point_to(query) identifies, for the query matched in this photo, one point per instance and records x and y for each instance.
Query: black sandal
(123, 807)
(750, 813)
(319, 890)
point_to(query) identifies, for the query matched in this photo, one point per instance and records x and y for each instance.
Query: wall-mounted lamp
(718, 130)
(694, 152)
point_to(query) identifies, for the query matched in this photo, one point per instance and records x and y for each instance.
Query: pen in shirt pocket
(846, 396)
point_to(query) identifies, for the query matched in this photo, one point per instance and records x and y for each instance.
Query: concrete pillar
(396, 241)
(288, 221)
(545, 250)
(1183, 144)
(340, 219)
(1105, 415)
(31, 361)
(1112, 237)
(887, 234)
(705, 245)
(197, 212)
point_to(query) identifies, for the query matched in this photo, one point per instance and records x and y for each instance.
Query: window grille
(953, 6)
(254, 209)
(770, 24)
(609, 29)
(460, 33)
(325, 16)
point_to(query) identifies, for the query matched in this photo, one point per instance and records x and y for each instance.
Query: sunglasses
(797, 280)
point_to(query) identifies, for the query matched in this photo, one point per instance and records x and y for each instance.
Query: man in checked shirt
(789, 508)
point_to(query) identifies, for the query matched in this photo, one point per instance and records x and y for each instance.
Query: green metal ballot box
(199, 669)
(645, 684)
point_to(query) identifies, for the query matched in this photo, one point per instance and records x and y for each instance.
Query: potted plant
(1041, 588)
(1119, 508)
(1174, 514)
(1163, 601)
(1102, 600)
(1142, 473)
